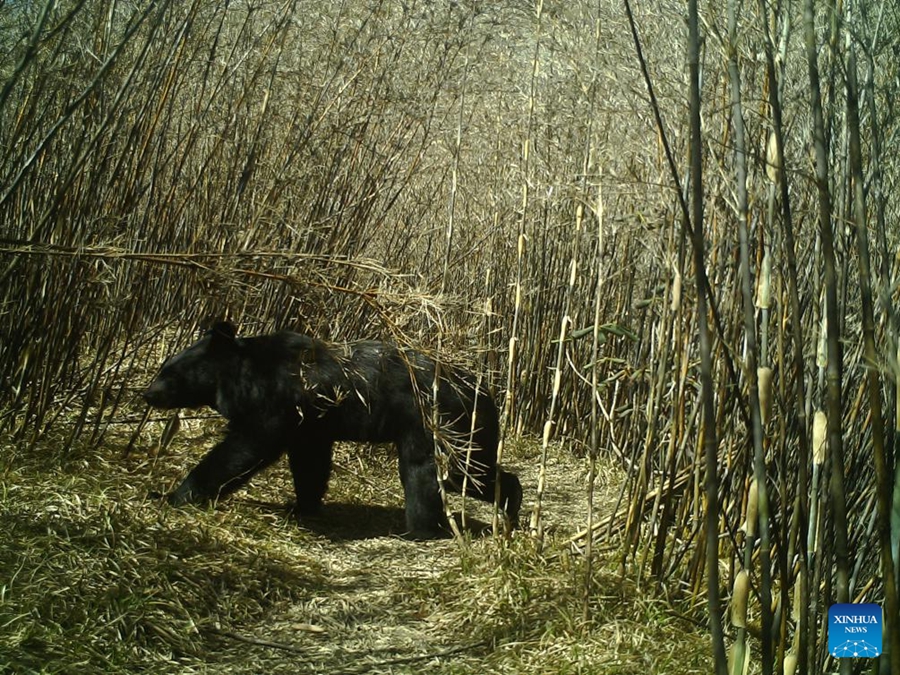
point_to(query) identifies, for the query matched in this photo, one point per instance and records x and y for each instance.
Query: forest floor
(97, 577)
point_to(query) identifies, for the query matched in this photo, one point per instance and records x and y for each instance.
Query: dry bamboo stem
(760, 479)
(595, 403)
(882, 469)
(710, 442)
(834, 355)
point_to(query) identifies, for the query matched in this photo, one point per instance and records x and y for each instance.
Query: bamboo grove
(670, 242)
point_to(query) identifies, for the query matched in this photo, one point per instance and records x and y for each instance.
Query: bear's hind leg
(483, 484)
(510, 495)
(425, 518)
(225, 468)
(310, 464)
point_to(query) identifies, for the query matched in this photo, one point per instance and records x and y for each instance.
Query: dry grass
(96, 577)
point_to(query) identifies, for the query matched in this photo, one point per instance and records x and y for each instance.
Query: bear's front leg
(310, 463)
(425, 518)
(228, 466)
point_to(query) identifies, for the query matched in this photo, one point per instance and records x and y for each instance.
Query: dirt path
(384, 609)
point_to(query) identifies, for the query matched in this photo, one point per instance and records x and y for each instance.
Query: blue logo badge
(854, 631)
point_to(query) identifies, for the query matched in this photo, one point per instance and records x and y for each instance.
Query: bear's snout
(154, 395)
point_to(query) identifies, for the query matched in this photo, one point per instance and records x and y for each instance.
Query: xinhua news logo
(854, 631)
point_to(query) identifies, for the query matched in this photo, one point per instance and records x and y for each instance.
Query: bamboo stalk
(834, 355)
(882, 467)
(751, 369)
(710, 442)
(595, 403)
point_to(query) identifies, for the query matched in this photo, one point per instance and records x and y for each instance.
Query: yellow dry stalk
(740, 594)
(752, 509)
(821, 349)
(795, 608)
(764, 286)
(773, 161)
(820, 431)
(790, 664)
(676, 292)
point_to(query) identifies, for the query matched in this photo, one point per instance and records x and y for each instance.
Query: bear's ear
(222, 331)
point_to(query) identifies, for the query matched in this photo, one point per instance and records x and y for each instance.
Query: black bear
(287, 392)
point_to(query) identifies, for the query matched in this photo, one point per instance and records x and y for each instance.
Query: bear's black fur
(287, 392)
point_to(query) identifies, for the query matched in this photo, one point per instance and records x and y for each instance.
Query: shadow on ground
(350, 521)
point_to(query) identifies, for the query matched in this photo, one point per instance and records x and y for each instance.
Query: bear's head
(190, 379)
